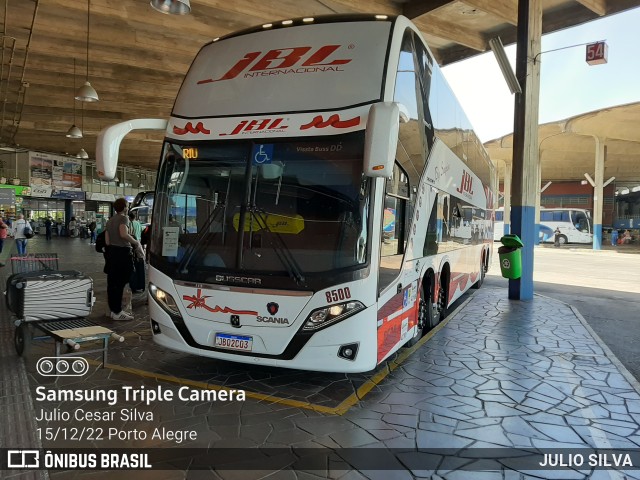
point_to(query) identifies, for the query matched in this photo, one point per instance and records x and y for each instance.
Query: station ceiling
(138, 57)
(568, 147)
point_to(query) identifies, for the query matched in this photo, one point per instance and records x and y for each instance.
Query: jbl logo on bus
(466, 184)
(268, 124)
(282, 58)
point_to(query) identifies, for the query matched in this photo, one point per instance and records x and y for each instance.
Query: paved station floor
(497, 381)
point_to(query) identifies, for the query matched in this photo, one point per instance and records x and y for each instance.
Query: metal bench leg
(105, 346)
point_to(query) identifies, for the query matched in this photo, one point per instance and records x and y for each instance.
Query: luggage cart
(65, 328)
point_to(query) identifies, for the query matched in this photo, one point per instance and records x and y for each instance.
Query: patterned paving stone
(499, 374)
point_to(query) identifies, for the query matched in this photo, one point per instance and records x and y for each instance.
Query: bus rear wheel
(483, 271)
(440, 307)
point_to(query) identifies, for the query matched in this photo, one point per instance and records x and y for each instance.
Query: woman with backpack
(19, 227)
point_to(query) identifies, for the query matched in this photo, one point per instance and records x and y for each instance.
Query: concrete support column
(507, 198)
(525, 142)
(598, 192)
(538, 195)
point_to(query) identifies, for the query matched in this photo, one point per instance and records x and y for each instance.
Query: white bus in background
(309, 206)
(574, 223)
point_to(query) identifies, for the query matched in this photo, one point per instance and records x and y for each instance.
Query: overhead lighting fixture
(171, 7)
(503, 62)
(82, 154)
(87, 93)
(308, 19)
(74, 132)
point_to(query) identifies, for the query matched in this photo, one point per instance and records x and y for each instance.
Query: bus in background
(574, 224)
(320, 197)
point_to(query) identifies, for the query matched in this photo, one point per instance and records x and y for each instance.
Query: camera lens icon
(62, 366)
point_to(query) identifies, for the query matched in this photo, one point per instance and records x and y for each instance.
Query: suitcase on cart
(49, 295)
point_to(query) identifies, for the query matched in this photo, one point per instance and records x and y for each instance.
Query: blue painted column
(525, 183)
(597, 237)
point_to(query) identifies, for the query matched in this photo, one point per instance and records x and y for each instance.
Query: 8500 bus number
(338, 294)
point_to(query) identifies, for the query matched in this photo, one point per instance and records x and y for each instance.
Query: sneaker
(121, 316)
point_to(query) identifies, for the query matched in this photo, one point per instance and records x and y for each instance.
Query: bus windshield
(296, 208)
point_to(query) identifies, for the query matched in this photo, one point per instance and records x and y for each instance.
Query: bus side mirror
(109, 139)
(381, 138)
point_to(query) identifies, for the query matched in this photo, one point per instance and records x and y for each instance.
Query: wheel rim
(422, 314)
(440, 306)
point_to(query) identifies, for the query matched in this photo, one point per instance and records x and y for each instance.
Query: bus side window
(394, 232)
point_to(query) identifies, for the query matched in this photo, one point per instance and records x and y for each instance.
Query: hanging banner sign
(55, 170)
(41, 191)
(68, 194)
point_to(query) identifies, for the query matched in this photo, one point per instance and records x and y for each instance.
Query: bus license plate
(234, 342)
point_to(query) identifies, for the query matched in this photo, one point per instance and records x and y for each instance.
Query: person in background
(4, 230)
(119, 258)
(59, 228)
(92, 232)
(18, 234)
(48, 223)
(614, 237)
(556, 237)
(626, 237)
(137, 281)
(72, 227)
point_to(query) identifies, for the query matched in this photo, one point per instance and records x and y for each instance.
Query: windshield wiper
(193, 248)
(277, 244)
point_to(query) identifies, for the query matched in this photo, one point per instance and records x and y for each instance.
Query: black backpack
(101, 242)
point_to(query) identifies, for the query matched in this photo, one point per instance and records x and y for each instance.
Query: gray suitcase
(50, 295)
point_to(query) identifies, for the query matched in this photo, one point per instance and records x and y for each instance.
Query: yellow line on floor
(341, 409)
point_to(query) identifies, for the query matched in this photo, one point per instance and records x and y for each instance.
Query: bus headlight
(165, 300)
(321, 317)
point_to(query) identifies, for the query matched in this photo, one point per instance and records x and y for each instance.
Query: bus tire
(440, 306)
(483, 271)
(562, 240)
(422, 320)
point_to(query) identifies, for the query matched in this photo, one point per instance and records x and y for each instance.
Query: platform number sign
(597, 53)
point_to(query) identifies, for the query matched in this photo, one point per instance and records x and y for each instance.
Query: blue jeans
(21, 243)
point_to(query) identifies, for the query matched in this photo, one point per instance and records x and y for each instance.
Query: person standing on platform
(119, 258)
(48, 223)
(92, 232)
(18, 234)
(4, 230)
(556, 237)
(614, 237)
(137, 282)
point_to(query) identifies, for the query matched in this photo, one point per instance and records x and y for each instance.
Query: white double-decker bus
(320, 197)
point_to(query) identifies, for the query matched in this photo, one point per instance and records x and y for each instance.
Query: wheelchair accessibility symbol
(262, 154)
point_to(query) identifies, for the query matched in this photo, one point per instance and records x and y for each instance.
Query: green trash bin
(511, 257)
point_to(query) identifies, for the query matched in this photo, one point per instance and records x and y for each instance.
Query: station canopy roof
(568, 147)
(138, 57)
